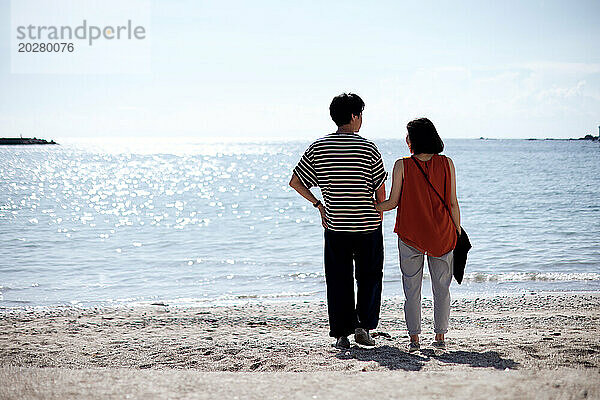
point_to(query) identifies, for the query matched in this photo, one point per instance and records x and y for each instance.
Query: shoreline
(101, 336)
(527, 346)
(271, 301)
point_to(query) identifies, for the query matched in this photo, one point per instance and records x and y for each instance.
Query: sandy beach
(526, 346)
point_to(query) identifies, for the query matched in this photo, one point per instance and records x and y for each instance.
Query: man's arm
(380, 194)
(380, 197)
(378, 177)
(297, 185)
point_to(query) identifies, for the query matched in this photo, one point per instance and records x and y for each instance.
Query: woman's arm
(397, 177)
(454, 208)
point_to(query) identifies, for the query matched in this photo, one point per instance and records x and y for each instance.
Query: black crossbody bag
(463, 244)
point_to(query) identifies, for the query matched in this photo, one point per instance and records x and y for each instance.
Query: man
(349, 170)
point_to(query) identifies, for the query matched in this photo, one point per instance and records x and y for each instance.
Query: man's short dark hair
(344, 106)
(424, 137)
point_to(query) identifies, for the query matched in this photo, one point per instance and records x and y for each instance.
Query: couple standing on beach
(350, 173)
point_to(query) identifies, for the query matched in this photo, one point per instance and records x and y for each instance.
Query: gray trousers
(440, 269)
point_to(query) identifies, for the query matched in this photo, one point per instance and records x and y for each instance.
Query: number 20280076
(46, 47)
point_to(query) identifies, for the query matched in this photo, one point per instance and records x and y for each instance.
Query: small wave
(230, 299)
(303, 275)
(18, 301)
(531, 276)
(272, 295)
(18, 287)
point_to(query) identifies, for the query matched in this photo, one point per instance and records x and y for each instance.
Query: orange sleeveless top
(422, 221)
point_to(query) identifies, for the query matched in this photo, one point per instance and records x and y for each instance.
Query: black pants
(365, 250)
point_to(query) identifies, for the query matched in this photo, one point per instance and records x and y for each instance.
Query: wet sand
(529, 346)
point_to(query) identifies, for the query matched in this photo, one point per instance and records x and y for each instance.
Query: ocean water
(180, 221)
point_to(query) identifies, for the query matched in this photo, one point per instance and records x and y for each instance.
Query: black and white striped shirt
(348, 169)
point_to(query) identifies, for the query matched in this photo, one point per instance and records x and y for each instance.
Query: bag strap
(433, 187)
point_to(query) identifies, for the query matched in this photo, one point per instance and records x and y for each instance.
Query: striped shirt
(348, 169)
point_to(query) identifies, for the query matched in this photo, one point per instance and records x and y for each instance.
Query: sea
(190, 222)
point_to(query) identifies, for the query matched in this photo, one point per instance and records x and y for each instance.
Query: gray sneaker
(361, 336)
(413, 346)
(439, 345)
(342, 343)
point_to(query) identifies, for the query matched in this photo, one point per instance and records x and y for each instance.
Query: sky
(269, 69)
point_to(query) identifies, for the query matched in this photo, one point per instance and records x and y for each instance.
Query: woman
(424, 226)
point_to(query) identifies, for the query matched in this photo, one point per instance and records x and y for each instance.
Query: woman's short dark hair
(345, 105)
(424, 137)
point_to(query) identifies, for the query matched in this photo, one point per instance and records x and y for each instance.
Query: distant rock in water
(589, 137)
(586, 137)
(22, 140)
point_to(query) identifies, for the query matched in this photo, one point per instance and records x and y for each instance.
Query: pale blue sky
(268, 69)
